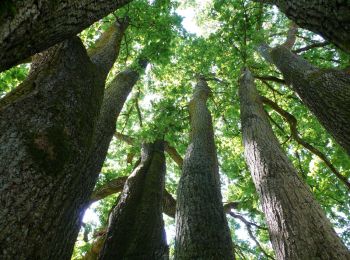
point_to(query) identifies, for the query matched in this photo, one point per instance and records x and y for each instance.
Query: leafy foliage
(157, 107)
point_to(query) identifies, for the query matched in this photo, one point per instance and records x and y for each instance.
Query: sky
(189, 23)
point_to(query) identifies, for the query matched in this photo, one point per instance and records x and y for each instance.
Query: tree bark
(46, 129)
(292, 121)
(201, 225)
(136, 228)
(29, 27)
(116, 185)
(298, 227)
(330, 19)
(172, 152)
(326, 92)
(113, 101)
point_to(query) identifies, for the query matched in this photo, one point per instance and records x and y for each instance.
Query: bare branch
(311, 46)
(139, 114)
(249, 225)
(292, 121)
(270, 78)
(168, 148)
(108, 45)
(291, 37)
(116, 185)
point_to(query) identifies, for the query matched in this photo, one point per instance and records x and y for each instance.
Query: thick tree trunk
(46, 130)
(116, 185)
(136, 228)
(330, 19)
(201, 225)
(113, 101)
(325, 92)
(31, 26)
(298, 227)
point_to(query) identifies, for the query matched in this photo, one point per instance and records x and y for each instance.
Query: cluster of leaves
(157, 107)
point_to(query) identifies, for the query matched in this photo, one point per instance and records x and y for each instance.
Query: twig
(173, 153)
(292, 121)
(312, 46)
(270, 78)
(249, 225)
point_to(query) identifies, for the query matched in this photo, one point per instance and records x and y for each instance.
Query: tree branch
(107, 47)
(270, 78)
(116, 185)
(249, 225)
(168, 148)
(312, 46)
(292, 121)
(139, 114)
(291, 37)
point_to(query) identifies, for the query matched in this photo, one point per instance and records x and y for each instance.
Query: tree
(136, 228)
(30, 27)
(327, 18)
(292, 121)
(113, 101)
(116, 185)
(326, 92)
(298, 227)
(223, 40)
(47, 128)
(201, 226)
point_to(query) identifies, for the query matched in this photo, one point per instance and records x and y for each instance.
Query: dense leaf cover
(228, 34)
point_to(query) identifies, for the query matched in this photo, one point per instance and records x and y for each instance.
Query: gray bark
(298, 227)
(326, 92)
(31, 26)
(113, 101)
(47, 126)
(116, 185)
(201, 225)
(136, 228)
(330, 19)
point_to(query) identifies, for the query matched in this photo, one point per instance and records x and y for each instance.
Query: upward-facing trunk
(113, 101)
(46, 130)
(327, 18)
(201, 226)
(325, 92)
(136, 228)
(31, 26)
(298, 227)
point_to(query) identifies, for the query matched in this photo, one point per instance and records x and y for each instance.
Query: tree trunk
(136, 228)
(330, 19)
(326, 92)
(46, 130)
(298, 227)
(113, 101)
(201, 225)
(31, 26)
(116, 185)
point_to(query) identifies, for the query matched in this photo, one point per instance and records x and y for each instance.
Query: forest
(174, 129)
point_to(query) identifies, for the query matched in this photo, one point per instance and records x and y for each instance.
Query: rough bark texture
(325, 92)
(297, 225)
(136, 228)
(31, 26)
(328, 18)
(114, 98)
(95, 249)
(172, 152)
(292, 121)
(116, 185)
(46, 129)
(201, 225)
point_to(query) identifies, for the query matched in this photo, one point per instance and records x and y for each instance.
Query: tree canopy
(224, 37)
